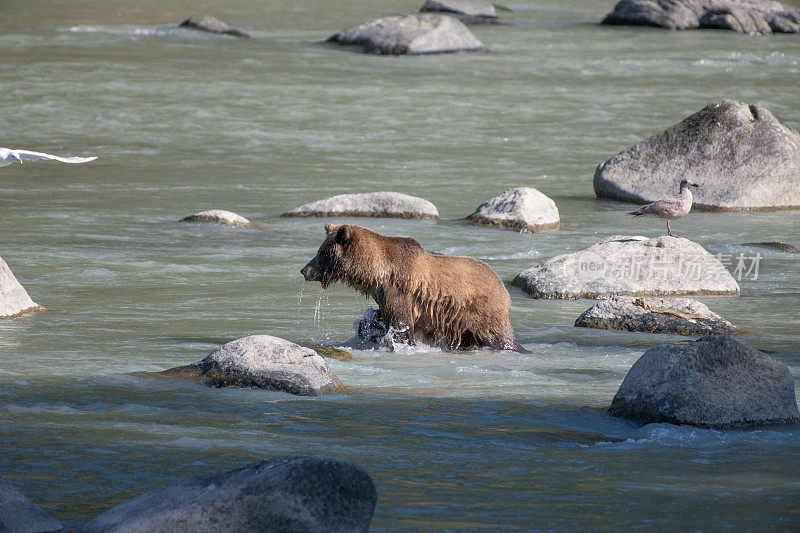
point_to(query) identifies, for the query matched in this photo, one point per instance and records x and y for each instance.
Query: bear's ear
(331, 227)
(343, 234)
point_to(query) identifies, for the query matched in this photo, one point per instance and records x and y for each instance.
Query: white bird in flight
(669, 208)
(9, 156)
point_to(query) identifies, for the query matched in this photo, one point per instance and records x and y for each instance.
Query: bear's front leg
(395, 311)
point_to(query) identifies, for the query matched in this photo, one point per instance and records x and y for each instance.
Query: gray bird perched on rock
(669, 208)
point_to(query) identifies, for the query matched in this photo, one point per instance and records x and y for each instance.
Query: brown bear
(448, 301)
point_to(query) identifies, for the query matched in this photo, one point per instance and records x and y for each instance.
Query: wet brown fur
(449, 301)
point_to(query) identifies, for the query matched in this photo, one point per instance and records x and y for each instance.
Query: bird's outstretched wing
(8, 156)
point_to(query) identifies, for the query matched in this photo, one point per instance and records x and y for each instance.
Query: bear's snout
(309, 273)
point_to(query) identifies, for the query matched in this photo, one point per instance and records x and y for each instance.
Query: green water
(184, 122)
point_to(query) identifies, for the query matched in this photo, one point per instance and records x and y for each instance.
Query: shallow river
(183, 122)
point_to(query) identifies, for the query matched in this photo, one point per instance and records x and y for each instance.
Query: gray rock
(681, 316)
(265, 362)
(520, 209)
(470, 8)
(371, 204)
(288, 494)
(745, 16)
(742, 157)
(782, 246)
(220, 216)
(423, 33)
(20, 515)
(210, 24)
(14, 299)
(713, 382)
(632, 266)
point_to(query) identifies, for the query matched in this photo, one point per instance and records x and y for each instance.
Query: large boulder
(265, 362)
(287, 494)
(422, 33)
(745, 16)
(681, 316)
(520, 209)
(632, 266)
(20, 515)
(212, 25)
(370, 204)
(14, 299)
(742, 157)
(713, 382)
(468, 8)
(220, 216)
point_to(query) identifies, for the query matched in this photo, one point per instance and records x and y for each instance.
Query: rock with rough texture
(14, 299)
(331, 353)
(469, 8)
(742, 157)
(744, 16)
(286, 494)
(20, 515)
(681, 316)
(632, 266)
(370, 204)
(422, 33)
(265, 362)
(212, 25)
(713, 382)
(520, 209)
(220, 216)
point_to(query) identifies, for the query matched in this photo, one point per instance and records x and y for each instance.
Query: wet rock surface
(629, 266)
(681, 316)
(423, 33)
(18, 514)
(371, 204)
(264, 362)
(523, 209)
(211, 25)
(713, 382)
(472, 9)
(220, 216)
(742, 157)
(14, 299)
(286, 494)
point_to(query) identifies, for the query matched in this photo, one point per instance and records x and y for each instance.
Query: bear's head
(326, 267)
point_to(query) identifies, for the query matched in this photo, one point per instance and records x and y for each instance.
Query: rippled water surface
(183, 122)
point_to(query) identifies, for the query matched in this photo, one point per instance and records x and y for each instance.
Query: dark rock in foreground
(220, 216)
(713, 382)
(469, 8)
(212, 25)
(14, 299)
(680, 316)
(264, 362)
(632, 266)
(744, 16)
(20, 515)
(742, 157)
(287, 494)
(424, 33)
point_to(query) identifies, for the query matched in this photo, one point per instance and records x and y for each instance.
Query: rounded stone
(371, 204)
(220, 216)
(212, 25)
(522, 209)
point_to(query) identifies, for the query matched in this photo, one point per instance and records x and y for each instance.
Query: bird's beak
(695, 185)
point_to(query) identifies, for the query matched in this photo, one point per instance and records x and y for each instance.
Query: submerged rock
(219, 216)
(14, 299)
(782, 246)
(286, 494)
(370, 328)
(681, 316)
(742, 157)
(210, 24)
(265, 362)
(744, 16)
(522, 209)
(468, 8)
(713, 382)
(423, 33)
(20, 515)
(370, 204)
(633, 266)
(331, 353)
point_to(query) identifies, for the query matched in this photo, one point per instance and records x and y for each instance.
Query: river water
(184, 122)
